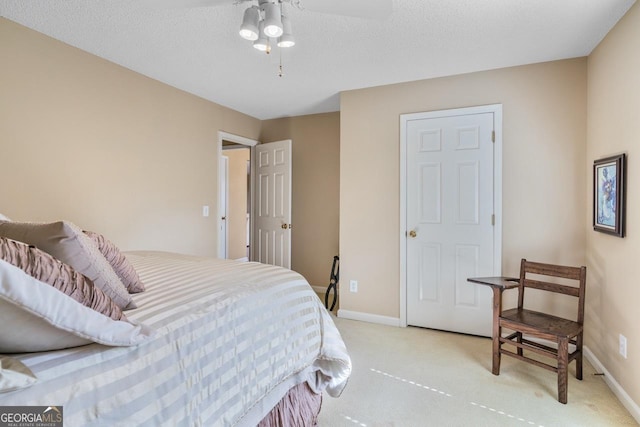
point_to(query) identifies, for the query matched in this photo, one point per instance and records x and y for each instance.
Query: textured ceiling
(198, 50)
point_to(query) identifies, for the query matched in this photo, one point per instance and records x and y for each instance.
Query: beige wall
(89, 141)
(544, 176)
(86, 140)
(613, 289)
(237, 207)
(316, 177)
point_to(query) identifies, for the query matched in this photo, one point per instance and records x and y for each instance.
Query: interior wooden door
(273, 228)
(450, 212)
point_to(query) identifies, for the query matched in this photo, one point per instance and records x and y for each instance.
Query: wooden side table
(498, 285)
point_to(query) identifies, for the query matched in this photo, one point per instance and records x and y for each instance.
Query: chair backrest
(578, 274)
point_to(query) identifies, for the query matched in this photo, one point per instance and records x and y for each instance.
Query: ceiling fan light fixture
(249, 28)
(286, 39)
(272, 20)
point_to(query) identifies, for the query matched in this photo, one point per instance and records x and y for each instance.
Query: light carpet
(420, 377)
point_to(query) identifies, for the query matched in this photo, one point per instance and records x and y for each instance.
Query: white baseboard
(371, 318)
(617, 389)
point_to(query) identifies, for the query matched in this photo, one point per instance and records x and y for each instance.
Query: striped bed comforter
(231, 339)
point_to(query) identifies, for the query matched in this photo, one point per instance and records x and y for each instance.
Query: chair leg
(579, 358)
(497, 333)
(496, 330)
(563, 359)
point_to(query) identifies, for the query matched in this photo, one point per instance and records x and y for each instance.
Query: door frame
(223, 238)
(496, 109)
(251, 143)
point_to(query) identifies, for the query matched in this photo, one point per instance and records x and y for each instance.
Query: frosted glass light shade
(286, 40)
(249, 27)
(272, 22)
(262, 43)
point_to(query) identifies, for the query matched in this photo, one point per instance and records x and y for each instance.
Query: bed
(229, 344)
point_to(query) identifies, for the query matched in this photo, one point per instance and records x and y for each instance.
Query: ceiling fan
(266, 22)
(369, 9)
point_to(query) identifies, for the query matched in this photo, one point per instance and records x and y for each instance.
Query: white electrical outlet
(205, 211)
(623, 346)
(353, 285)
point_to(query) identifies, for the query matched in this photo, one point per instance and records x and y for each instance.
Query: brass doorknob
(284, 226)
(413, 234)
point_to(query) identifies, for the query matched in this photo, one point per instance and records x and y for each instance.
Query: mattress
(231, 339)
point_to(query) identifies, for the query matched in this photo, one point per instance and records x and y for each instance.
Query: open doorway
(268, 200)
(237, 218)
(236, 195)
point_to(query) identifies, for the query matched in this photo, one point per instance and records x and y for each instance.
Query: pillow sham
(66, 242)
(45, 268)
(119, 262)
(35, 316)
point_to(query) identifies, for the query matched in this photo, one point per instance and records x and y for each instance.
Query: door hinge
(493, 136)
(493, 219)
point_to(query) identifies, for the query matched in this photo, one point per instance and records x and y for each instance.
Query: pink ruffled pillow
(45, 268)
(123, 268)
(66, 242)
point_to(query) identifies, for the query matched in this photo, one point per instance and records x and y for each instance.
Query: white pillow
(4, 218)
(65, 241)
(35, 316)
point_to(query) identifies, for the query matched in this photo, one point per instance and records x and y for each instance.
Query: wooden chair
(528, 325)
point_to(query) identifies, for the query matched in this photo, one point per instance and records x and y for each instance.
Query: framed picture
(609, 195)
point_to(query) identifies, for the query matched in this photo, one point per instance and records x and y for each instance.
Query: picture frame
(609, 179)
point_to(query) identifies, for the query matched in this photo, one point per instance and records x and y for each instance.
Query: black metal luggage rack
(333, 283)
